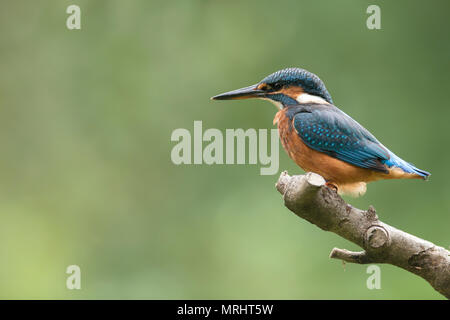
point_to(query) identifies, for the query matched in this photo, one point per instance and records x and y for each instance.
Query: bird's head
(286, 87)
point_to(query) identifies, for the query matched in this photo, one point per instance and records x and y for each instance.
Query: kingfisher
(320, 137)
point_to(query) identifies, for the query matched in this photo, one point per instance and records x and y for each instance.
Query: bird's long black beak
(243, 93)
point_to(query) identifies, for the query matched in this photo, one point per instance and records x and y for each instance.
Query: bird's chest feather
(292, 143)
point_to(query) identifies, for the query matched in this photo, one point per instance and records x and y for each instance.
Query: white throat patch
(309, 98)
(277, 104)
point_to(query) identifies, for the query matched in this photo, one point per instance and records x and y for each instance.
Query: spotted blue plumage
(327, 129)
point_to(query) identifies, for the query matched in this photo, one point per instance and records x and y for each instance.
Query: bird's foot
(332, 186)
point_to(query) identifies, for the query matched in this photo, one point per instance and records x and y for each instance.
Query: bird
(321, 138)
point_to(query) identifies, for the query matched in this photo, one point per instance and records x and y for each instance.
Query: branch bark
(309, 198)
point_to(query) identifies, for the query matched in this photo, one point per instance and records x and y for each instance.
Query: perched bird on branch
(323, 139)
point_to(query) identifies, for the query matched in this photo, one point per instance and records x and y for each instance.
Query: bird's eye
(277, 86)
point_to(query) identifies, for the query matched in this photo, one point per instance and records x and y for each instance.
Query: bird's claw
(332, 186)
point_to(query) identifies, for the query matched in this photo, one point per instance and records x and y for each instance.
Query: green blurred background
(85, 123)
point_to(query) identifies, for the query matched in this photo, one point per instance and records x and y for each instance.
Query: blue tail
(395, 161)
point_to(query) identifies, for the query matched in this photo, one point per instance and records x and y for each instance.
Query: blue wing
(331, 131)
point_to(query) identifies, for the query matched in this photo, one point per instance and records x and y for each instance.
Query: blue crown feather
(300, 77)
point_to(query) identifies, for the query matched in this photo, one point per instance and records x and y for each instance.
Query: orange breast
(308, 159)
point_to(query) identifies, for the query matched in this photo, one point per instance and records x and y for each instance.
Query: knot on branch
(371, 213)
(377, 237)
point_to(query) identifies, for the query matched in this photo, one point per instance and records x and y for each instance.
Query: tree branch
(309, 198)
